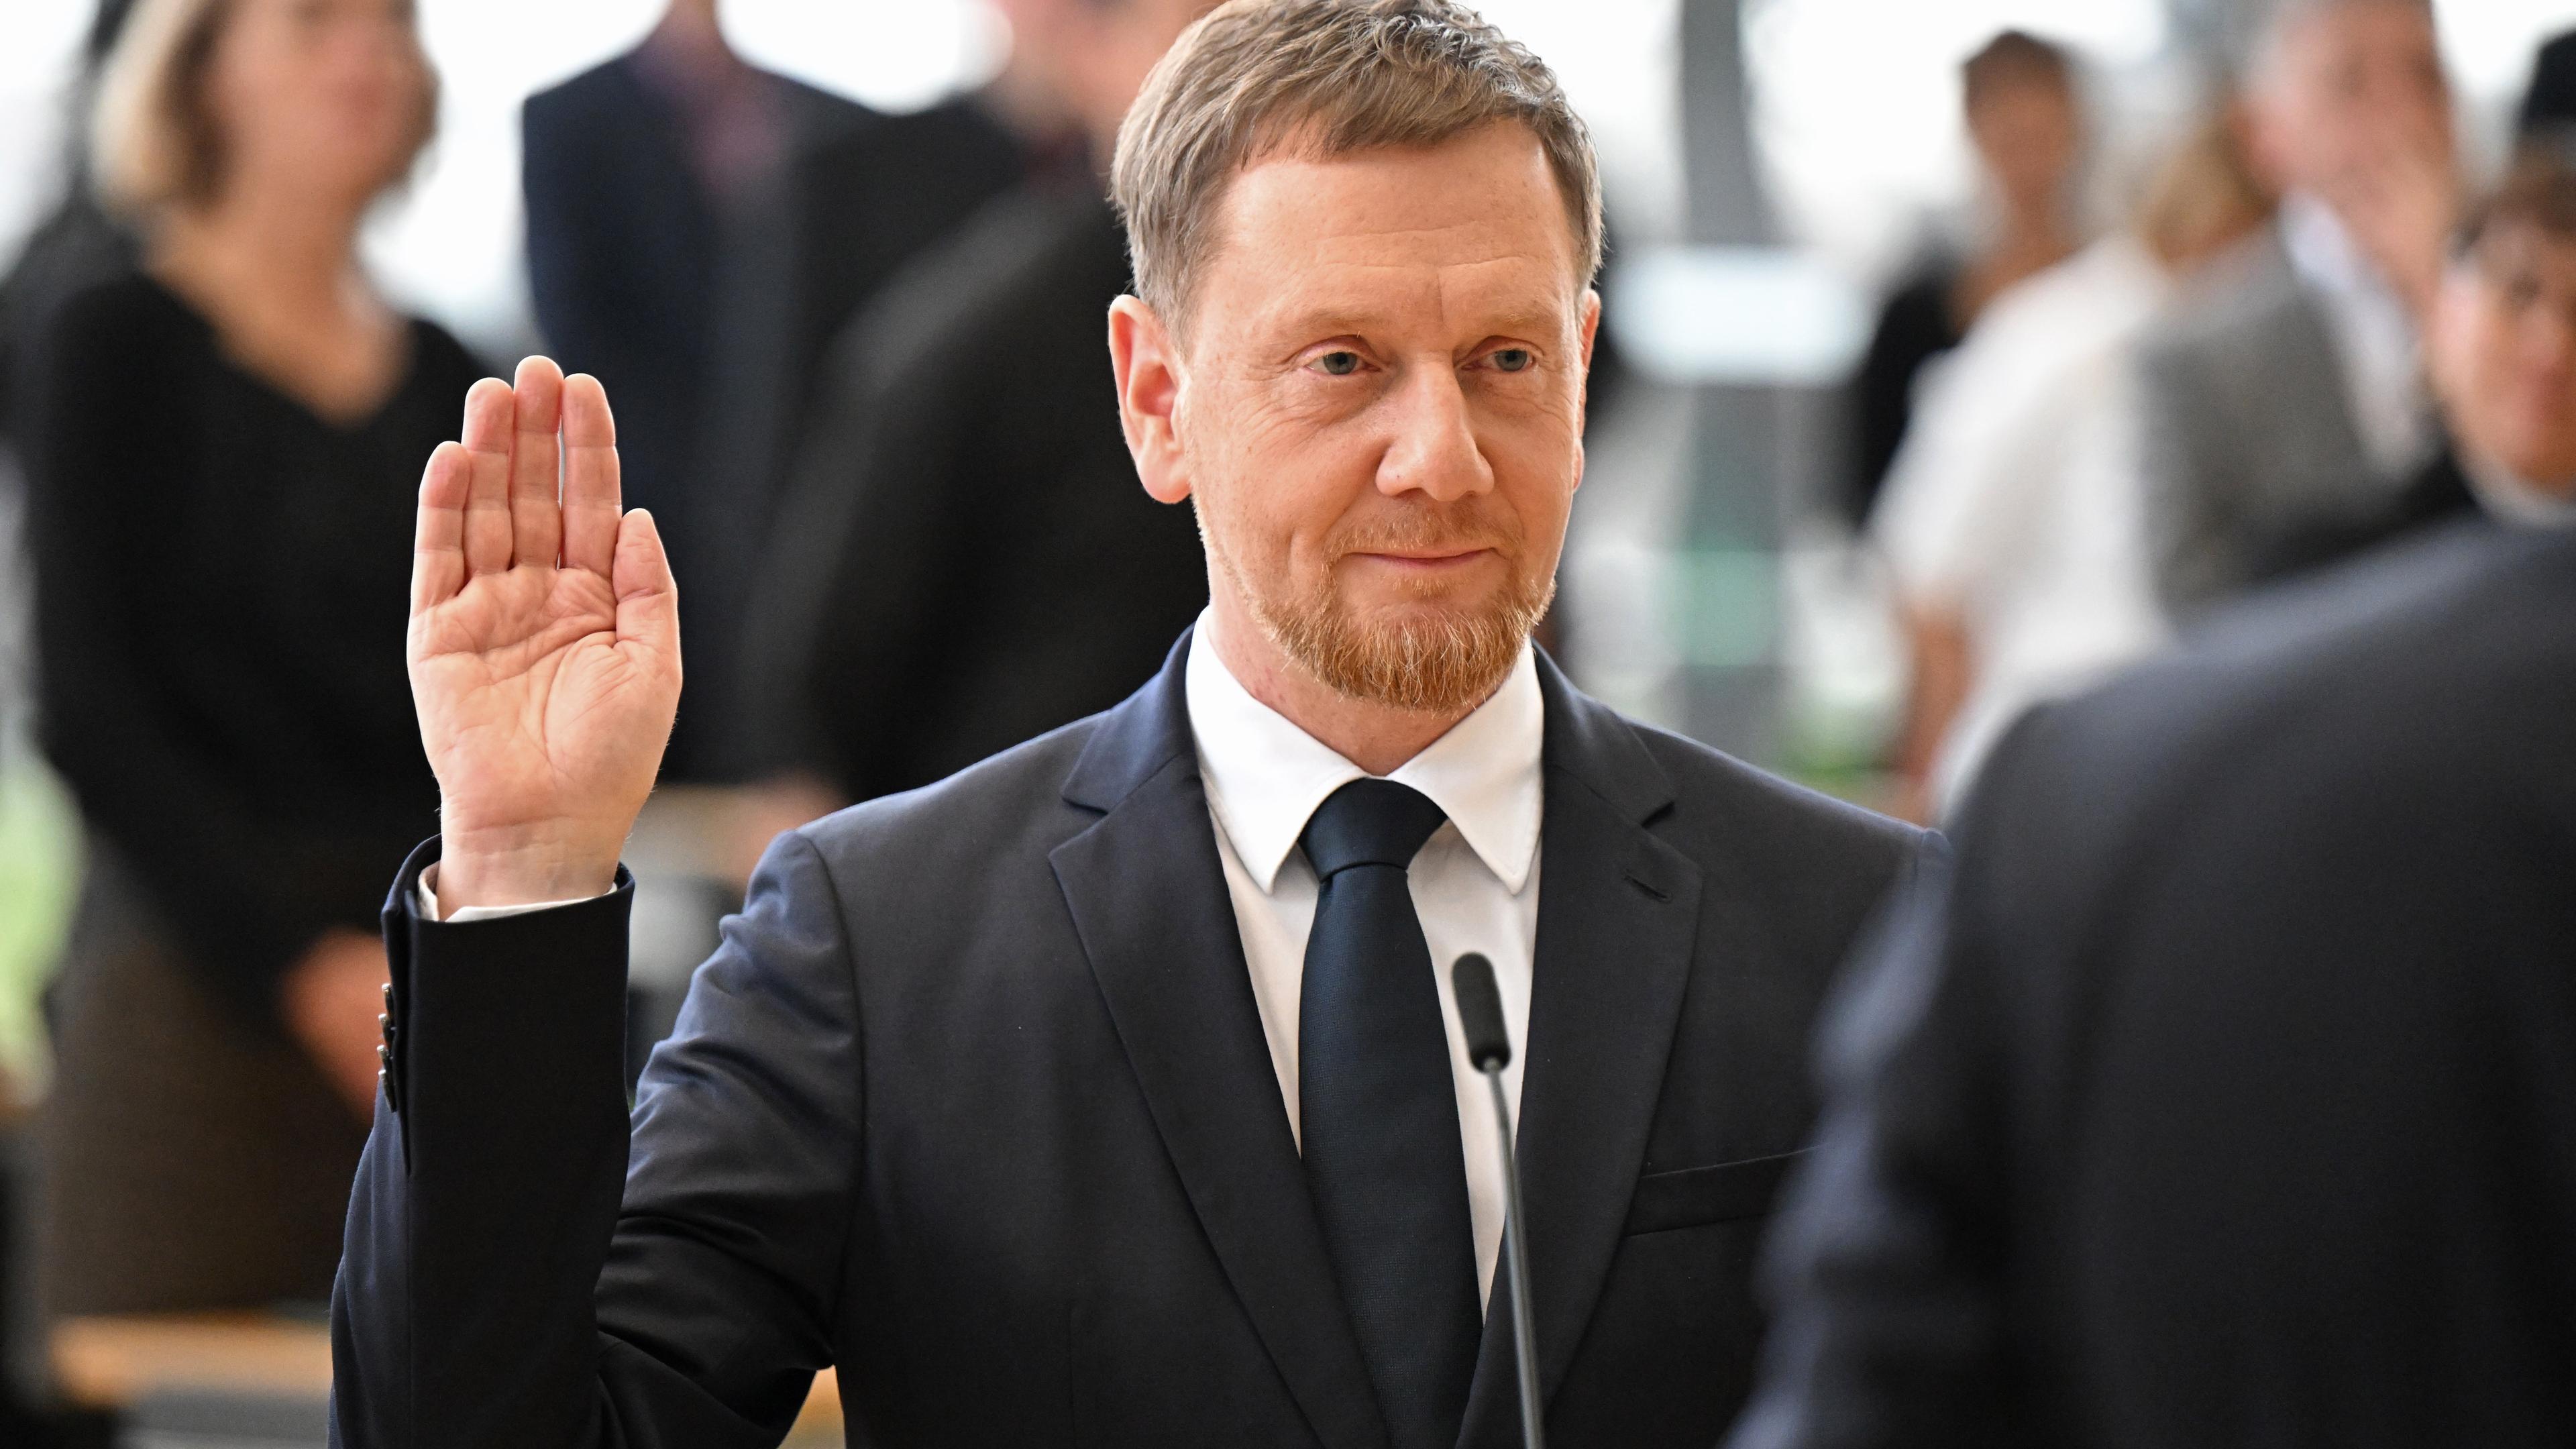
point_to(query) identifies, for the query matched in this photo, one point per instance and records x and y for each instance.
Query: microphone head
(1480, 1013)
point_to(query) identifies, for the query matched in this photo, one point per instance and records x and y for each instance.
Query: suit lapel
(1616, 933)
(1149, 902)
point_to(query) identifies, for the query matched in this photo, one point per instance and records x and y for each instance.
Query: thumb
(648, 598)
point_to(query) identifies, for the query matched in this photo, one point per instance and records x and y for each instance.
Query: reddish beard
(1436, 657)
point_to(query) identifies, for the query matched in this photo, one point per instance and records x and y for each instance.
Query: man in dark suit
(2228, 1094)
(963, 476)
(698, 232)
(1108, 1091)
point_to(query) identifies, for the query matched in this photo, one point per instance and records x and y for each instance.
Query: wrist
(521, 868)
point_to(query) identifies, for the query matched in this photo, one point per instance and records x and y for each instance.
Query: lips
(1422, 556)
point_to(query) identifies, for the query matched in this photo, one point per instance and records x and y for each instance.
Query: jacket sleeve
(1888, 1266)
(523, 1266)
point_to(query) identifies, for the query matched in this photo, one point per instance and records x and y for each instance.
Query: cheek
(1533, 430)
(1280, 448)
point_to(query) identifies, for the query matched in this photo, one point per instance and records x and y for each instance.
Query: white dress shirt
(2517, 501)
(2374, 336)
(1475, 883)
(2016, 500)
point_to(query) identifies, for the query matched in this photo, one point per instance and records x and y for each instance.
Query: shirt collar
(2324, 253)
(2516, 500)
(1265, 776)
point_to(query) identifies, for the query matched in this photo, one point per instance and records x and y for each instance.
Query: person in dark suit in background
(1107, 1091)
(2548, 108)
(212, 684)
(964, 478)
(2227, 1094)
(698, 231)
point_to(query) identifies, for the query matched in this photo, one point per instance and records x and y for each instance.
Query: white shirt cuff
(428, 903)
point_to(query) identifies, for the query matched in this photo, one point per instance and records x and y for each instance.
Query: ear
(1149, 370)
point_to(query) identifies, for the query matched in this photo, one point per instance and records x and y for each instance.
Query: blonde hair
(1324, 78)
(2204, 196)
(153, 142)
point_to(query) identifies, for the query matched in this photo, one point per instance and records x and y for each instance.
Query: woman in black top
(224, 458)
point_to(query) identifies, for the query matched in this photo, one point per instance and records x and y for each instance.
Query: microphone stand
(1489, 1047)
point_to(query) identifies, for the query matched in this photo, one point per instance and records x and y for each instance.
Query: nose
(1433, 449)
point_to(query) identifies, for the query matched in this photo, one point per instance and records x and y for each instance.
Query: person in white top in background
(2013, 525)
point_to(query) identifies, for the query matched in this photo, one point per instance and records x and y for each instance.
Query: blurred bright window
(1855, 103)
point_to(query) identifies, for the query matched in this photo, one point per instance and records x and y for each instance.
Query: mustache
(1446, 528)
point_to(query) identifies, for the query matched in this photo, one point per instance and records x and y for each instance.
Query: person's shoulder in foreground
(2221, 1096)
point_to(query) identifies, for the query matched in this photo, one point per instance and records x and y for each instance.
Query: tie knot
(1369, 822)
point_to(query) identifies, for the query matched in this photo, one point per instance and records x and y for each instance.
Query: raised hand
(545, 644)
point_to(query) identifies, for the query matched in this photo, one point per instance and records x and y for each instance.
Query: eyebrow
(1326, 322)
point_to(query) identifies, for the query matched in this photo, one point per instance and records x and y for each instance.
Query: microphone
(1489, 1047)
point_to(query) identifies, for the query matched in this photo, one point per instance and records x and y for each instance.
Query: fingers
(648, 601)
(438, 541)
(536, 515)
(590, 484)
(489, 422)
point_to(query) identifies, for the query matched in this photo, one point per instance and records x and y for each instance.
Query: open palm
(544, 645)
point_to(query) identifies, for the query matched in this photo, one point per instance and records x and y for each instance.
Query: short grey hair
(1325, 78)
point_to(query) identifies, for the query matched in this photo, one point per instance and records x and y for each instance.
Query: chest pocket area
(1699, 1196)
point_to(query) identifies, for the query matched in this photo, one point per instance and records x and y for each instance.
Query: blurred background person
(698, 231)
(76, 243)
(2012, 522)
(2503, 345)
(2291, 395)
(2548, 109)
(935, 591)
(243, 788)
(2026, 121)
(73, 243)
(2501, 356)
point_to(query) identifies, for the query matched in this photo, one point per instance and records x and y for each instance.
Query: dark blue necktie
(1378, 1113)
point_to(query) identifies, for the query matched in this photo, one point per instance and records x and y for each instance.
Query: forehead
(1478, 219)
(2330, 35)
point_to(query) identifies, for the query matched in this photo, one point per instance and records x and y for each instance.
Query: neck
(295, 245)
(2034, 229)
(1378, 738)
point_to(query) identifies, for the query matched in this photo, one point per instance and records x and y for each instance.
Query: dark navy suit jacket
(974, 1102)
(2227, 1095)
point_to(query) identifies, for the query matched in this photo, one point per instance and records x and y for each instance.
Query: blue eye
(1514, 359)
(1338, 364)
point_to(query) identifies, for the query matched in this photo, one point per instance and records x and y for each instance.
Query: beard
(1434, 657)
